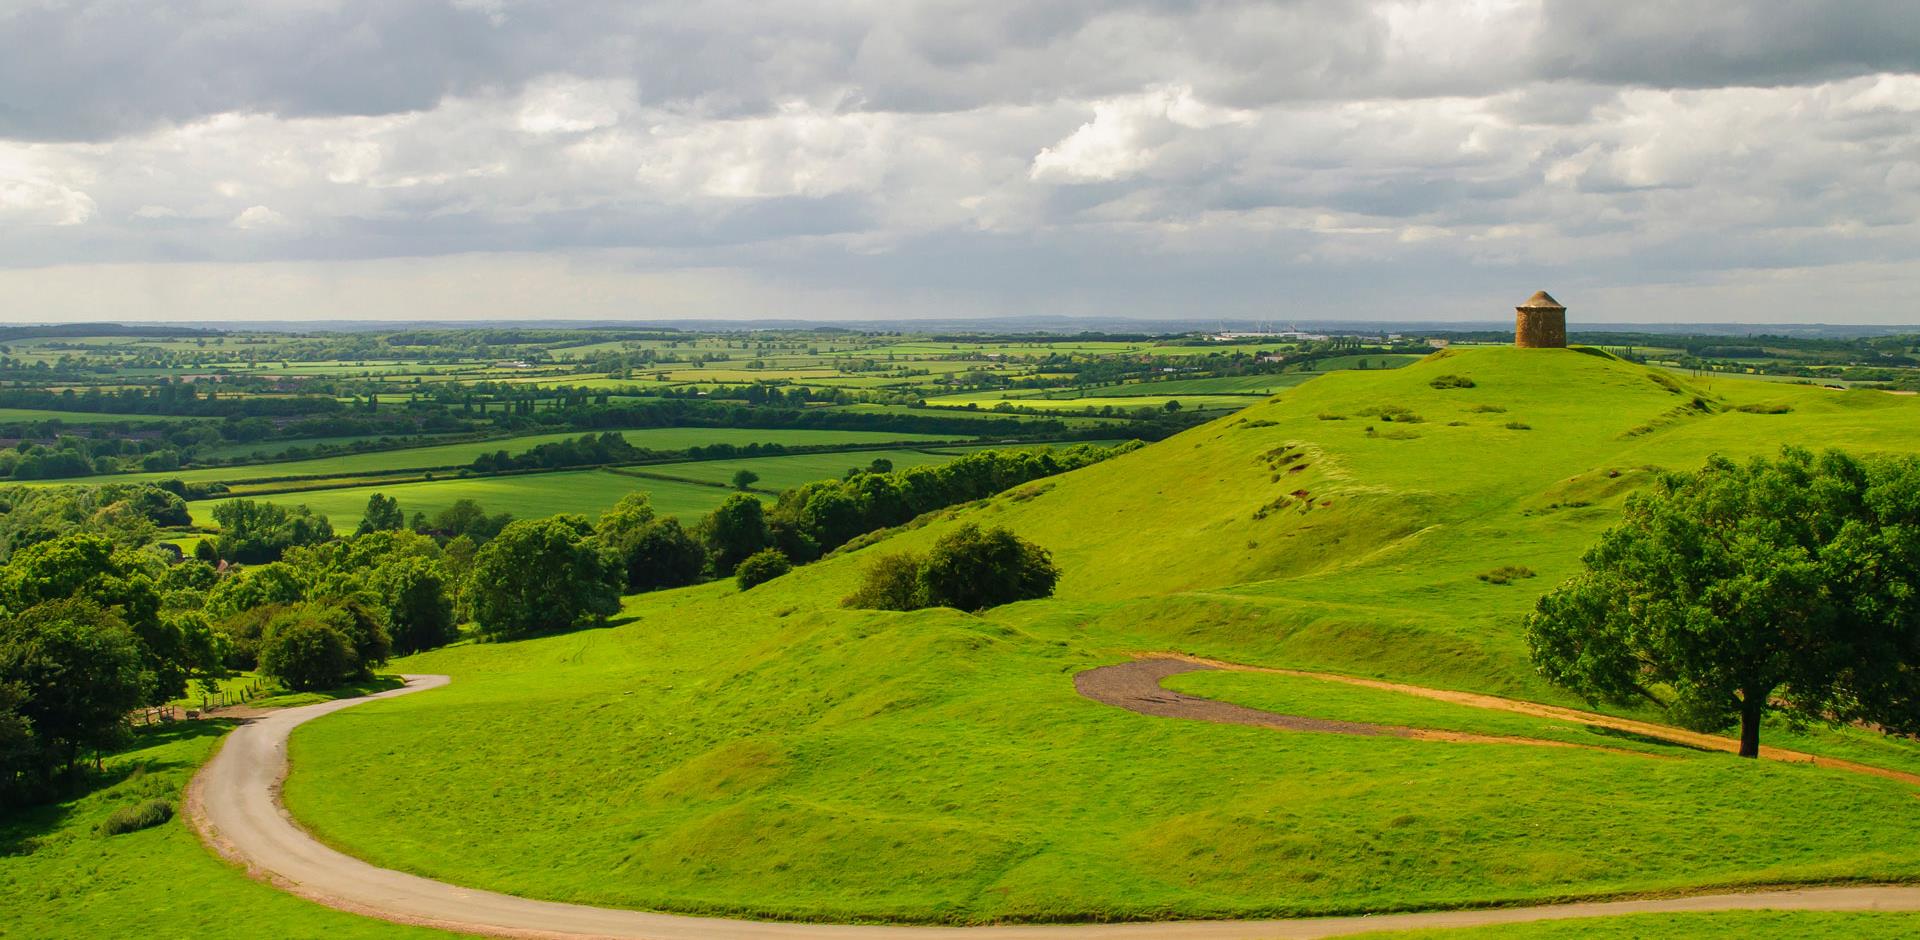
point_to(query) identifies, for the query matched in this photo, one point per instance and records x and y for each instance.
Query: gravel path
(234, 804)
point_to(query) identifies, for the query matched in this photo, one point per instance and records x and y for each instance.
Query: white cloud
(259, 218)
(1127, 134)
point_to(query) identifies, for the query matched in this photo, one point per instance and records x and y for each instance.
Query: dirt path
(234, 804)
(1135, 686)
(1160, 665)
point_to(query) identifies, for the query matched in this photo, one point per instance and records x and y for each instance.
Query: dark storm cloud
(1709, 44)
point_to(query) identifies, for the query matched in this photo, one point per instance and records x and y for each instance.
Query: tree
(735, 529)
(80, 669)
(306, 652)
(892, 582)
(1782, 585)
(744, 479)
(275, 583)
(420, 610)
(970, 569)
(760, 567)
(252, 531)
(89, 566)
(383, 514)
(659, 555)
(543, 575)
(465, 517)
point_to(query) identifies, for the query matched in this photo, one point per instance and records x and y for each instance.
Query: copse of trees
(655, 553)
(1781, 585)
(968, 569)
(255, 531)
(544, 575)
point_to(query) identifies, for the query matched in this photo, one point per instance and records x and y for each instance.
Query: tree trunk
(1750, 709)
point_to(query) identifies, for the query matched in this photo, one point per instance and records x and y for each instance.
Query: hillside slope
(772, 754)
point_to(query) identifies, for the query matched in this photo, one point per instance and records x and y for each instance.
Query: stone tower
(1541, 323)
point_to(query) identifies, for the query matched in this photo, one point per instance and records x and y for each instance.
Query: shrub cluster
(139, 816)
(968, 569)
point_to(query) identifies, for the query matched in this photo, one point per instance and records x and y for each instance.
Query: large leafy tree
(1790, 584)
(734, 530)
(76, 671)
(542, 575)
(383, 515)
(90, 566)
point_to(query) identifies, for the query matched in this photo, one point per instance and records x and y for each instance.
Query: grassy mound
(772, 754)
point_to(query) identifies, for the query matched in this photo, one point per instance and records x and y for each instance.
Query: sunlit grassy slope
(60, 876)
(773, 754)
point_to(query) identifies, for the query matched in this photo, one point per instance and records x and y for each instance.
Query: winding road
(234, 804)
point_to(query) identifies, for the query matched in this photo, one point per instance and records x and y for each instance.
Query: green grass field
(771, 753)
(526, 496)
(8, 415)
(61, 878)
(454, 455)
(1744, 924)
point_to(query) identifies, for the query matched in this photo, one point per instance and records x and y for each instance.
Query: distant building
(1540, 323)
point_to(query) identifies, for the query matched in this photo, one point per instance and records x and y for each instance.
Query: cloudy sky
(473, 159)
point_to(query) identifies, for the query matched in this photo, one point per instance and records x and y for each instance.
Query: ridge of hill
(769, 753)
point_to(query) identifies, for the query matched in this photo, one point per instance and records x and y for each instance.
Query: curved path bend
(1135, 686)
(234, 804)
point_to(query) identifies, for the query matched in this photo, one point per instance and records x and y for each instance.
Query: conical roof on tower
(1541, 300)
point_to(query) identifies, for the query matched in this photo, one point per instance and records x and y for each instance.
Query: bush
(1519, 426)
(760, 567)
(892, 582)
(1452, 381)
(970, 569)
(1506, 574)
(134, 818)
(306, 653)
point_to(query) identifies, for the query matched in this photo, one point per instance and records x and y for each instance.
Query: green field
(774, 754)
(60, 877)
(455, 455)
(8, 415)
(525, 495)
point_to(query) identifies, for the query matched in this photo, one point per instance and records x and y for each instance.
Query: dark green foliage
(664, 555)
(744, 479)
(973, 569)
(587, 449)
(419, 605)
(967, 569)
(1452, 381)
(465, 517)
(891, 582)
(273, 584)
(137, 817)
(89, 566)
(383, 514)
(734, 530)
(75, 671)
(1783, 584)
(253, 531)
(1506, 574)
(544, 575)
(306, 651)
(761, 567)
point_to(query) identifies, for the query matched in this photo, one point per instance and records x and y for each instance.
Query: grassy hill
(772, 754)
